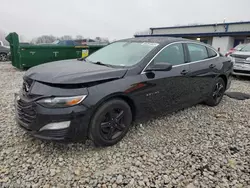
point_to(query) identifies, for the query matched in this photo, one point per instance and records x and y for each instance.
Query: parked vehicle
(126, 80)
(78, 42)
(241, 60)
(236, 48)
(4, 53)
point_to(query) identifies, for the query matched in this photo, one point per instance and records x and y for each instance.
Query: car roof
(160, 40)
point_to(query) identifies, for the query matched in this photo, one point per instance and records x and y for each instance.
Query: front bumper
(241, 69)
(32, 117)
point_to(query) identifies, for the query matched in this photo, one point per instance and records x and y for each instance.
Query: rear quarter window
(211, 53)
(197, 52)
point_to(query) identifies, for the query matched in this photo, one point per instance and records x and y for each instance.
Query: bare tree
(98, 39)
(44, 39)
(66, 37)
(79, 37)
(102, 39)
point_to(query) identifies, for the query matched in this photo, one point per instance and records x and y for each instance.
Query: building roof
(201, 25)
(220, 34)
(153, 39)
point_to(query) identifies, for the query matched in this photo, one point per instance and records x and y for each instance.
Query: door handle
(184, 72)
(212, 66)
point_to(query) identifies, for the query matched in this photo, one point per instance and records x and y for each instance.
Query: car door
(202, 62)
(166, 90)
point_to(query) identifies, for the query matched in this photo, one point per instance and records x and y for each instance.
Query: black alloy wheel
(113, 125)
(110, 123)
(217, 94)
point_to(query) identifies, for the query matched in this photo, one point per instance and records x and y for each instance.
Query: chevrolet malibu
(100, 96)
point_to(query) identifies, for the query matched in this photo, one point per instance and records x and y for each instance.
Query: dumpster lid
(73, 72)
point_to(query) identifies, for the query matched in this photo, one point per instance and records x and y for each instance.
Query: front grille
(242, 71)
(240, 60)
(26, 113)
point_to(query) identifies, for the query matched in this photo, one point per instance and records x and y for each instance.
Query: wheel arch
(224, 77)
(120, 96)
(5, 53)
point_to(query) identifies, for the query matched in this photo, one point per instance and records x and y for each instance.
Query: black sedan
(98, 97)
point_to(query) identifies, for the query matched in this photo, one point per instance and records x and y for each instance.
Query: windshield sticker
(150, 44)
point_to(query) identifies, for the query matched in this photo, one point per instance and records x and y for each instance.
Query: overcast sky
(114, 19)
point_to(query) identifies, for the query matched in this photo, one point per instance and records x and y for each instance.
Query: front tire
(217, 93)
(110, 123)
(3, 57)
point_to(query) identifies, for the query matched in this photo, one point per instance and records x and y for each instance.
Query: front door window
(172, 54)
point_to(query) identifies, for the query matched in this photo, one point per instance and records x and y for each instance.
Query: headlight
(232, 59)
(248, 59)
(61, 102)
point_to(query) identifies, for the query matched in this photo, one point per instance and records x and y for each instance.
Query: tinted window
(62, 43)
(69, 43)
(239, 47)
(197, 52)
(77, 43)
(246, 48)
(173, 54)
(66, 42)
(211, 53)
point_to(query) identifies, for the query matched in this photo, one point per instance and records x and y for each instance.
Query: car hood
(73, 72)
(241, 54)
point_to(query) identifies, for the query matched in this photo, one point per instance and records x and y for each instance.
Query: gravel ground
(197, 147)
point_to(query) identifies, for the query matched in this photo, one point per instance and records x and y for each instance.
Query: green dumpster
(26, 56)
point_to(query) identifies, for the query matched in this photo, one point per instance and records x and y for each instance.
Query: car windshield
(246, 48)
(239, 47)
(122, 53)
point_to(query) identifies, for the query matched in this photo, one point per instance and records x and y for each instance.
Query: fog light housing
(56, 126)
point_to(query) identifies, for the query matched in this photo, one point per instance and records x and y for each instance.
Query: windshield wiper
(81, 59)
(100, 63)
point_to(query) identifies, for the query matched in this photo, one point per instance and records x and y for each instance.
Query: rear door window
(197, 52)
(211, 53)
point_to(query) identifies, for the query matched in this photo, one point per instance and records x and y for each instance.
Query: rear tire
(110, 123)
(217, 93)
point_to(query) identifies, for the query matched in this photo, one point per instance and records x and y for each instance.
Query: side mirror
(160, 67)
